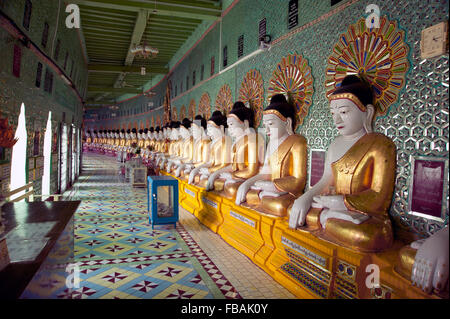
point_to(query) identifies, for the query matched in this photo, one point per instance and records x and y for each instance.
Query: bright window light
(19, 156)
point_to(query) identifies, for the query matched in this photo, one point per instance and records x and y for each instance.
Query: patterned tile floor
(119, 255)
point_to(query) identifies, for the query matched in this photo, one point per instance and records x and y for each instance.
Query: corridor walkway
(119, 255)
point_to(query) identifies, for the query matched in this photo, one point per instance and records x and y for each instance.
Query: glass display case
(162, 200)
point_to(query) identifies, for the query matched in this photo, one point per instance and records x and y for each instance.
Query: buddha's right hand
(299, 210)
(210, 182)
(192, 175)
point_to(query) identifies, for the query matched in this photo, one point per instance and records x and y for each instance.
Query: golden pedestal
(241, 228)
(210, 213)
(309, 266)
(191, 201)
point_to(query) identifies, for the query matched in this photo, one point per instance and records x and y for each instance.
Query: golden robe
(288, 173)
(245, 164)
(365, 175)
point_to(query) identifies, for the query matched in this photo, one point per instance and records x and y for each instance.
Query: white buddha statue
(283, 176)
(350, 203)
(247, 153)
(220, 148)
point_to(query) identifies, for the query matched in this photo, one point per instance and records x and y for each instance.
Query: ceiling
(111, 27)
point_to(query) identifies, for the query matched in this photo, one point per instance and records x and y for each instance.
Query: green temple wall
(417, 122)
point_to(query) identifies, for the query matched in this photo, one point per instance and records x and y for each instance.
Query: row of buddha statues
(349, 205)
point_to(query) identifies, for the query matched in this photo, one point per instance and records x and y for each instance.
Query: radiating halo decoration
(153, 122)
(204, 106)
(252, 92)
(224, 99)
(158, 120)
(174, 114)
(182, 113)
(192, 111)
(377, 55)
(292, 77)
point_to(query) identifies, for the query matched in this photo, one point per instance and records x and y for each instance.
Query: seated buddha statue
(426, 263)
(174, 146)
(134, 140)
(121, 149)
(141, 138)
(159, 143)
(350, 203)
(220, 148)
(116, 140)
(88, 137)
(201, 148)
(182, 136)
(165, 144)
(94, 138)
(247, 153)
(283, 176)
(186, 146)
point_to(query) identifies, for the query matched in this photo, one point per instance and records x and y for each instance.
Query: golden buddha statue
(95, 137)
(220, 149)
(140, 138)
(174, 147)
(148, 137)
(350, 203)
(247, 153)
(186, 147)
(283, 177)
(201, 148)
(88, 137)
(165, 145)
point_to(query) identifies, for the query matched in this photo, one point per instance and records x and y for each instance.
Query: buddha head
(149, 133)
(139, 134)
(239, 120)
(159, 133)
(167, 131)
(198, 127)
(175, 126)
(127, 134)
(122, 133)
(216, 125)
(88, 133)
(133, 133)
(116, 134)
(352, 107)
(94, 133)
(279, 117)
(185, 127)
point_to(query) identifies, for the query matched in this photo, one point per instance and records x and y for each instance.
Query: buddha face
(174, 134)
(235, 127)
(184, 132)
(347, 117)
(196, 131)
(139, 136)
(213, 131)
(274, 126)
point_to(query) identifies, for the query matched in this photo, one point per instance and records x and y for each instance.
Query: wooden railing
(29, 193)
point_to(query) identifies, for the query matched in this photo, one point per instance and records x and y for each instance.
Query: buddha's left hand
(431, 265)
(266, 186)
(334, 202)
(241, 195)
